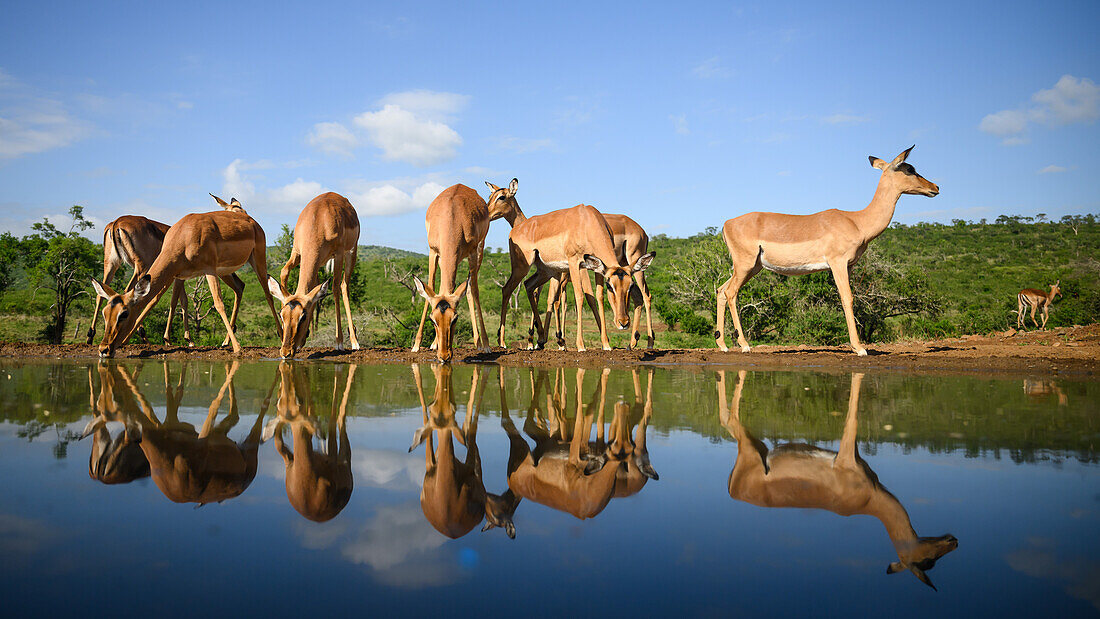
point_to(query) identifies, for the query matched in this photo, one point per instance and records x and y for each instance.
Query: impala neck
(876, 217)
(515, 216)
(893, 516)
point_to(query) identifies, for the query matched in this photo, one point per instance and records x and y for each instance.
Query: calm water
(653, 492)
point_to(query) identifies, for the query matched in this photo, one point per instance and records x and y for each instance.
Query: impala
(631, 243)
(327, 229)
(1036, 300)
(136, 241)
(798, 244)
(188, 465)
(457, 222)
(568, 241)
(318, 485)
(804, 476)
(212, 244)
(453, 497)
(565, 471)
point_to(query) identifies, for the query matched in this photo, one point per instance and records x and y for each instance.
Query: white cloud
(1071, 100)
(403, 136)
(289, 198)
(679, 121)
(428, 103)
(843, 119)
(30, 123)
(1052, 169)
(334, 139)
(185, 105)
(710, 68)
(523, 145)
(391, 197)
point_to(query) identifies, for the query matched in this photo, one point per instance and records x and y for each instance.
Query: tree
(10, 251)
(63, 266)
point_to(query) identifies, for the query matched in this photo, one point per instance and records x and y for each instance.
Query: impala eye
(123, 314)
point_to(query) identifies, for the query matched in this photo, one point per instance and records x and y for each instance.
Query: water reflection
(453, 497)
(188, 465)
(118, 459)
(800, 475)
(318, 484)
(567, 471)
(1038, 390)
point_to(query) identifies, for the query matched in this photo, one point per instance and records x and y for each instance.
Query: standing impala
(136, 241)
(212, 244)
(804, 476)
(327, 229)
(453, 497)
(568, 241)
(631, 243)
(457, 222)
(1036, 300)
(318, 485)
(798, 244)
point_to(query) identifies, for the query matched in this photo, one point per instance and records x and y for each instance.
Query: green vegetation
(920, 281)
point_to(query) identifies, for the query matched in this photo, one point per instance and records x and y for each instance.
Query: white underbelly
(559, 266)
(794, 268)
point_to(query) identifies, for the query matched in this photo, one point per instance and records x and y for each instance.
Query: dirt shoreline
(1072, 352)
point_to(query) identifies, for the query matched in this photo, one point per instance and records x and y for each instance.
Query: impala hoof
(861, 352)
(355, 346)
(723, 348)
(745, 349)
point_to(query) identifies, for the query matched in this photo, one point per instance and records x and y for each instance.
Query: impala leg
(1034, 306)
(177, 290)
(553, 300)
(520, 266)
(349, 265)
(840, 277)
(292, 262)
(1019, 311)
(846, 454)
(534, 285)
(216, 295)
(337, 284)
(259, 265)
(473, 300)
(433, 266)
(646, 299)
(575, 275)
(720, 316)
(1046, 314)
(186, 315)
(236, 284)
(562, 306)
(598, 309)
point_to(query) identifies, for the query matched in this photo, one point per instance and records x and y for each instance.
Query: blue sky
(680, 115)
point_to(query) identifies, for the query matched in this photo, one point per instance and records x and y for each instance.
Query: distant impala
(1036, 300)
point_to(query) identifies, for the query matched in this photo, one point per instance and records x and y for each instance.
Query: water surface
(282, 489)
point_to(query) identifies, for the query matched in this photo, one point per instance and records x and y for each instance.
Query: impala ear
(901, 158)
(877, 163)
(102, 290)
(644, 262)
(319, 292)
(592, 263)
(921, 576)
(423, 289)
(218, 200)
(491, 186)
(461, 290)
(894, 567)
(234, 202)
(276, 289)
(512, 187)
(419, 437)
(142, 287)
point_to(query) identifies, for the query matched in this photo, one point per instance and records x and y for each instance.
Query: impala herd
(560, 246)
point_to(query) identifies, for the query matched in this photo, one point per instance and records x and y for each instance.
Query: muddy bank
(1071, 351)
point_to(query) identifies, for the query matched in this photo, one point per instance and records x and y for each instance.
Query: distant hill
(380, 252)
